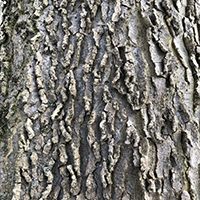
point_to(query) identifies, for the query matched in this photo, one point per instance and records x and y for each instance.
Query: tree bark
(99, 99)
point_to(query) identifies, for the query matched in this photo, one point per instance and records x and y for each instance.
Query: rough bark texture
(99, 99)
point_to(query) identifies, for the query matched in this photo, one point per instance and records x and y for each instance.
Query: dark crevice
(168, 81)
(97, 179)
(122, 55)
(172, 159)
(170, 177)
(146, 184)
(153, 19)
(84, 152)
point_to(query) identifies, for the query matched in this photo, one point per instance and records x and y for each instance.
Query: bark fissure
(99, 99)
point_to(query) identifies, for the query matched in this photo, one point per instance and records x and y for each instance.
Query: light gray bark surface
(99, 99)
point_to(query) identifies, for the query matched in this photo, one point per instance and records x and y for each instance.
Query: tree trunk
(99, 100)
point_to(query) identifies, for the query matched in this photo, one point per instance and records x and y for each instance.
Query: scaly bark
(99, 99)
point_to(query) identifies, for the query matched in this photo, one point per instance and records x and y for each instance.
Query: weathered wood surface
(99, 99)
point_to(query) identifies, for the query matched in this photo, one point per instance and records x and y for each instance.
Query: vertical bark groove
(99, 99)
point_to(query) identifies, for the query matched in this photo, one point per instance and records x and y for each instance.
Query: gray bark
(99, 99)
